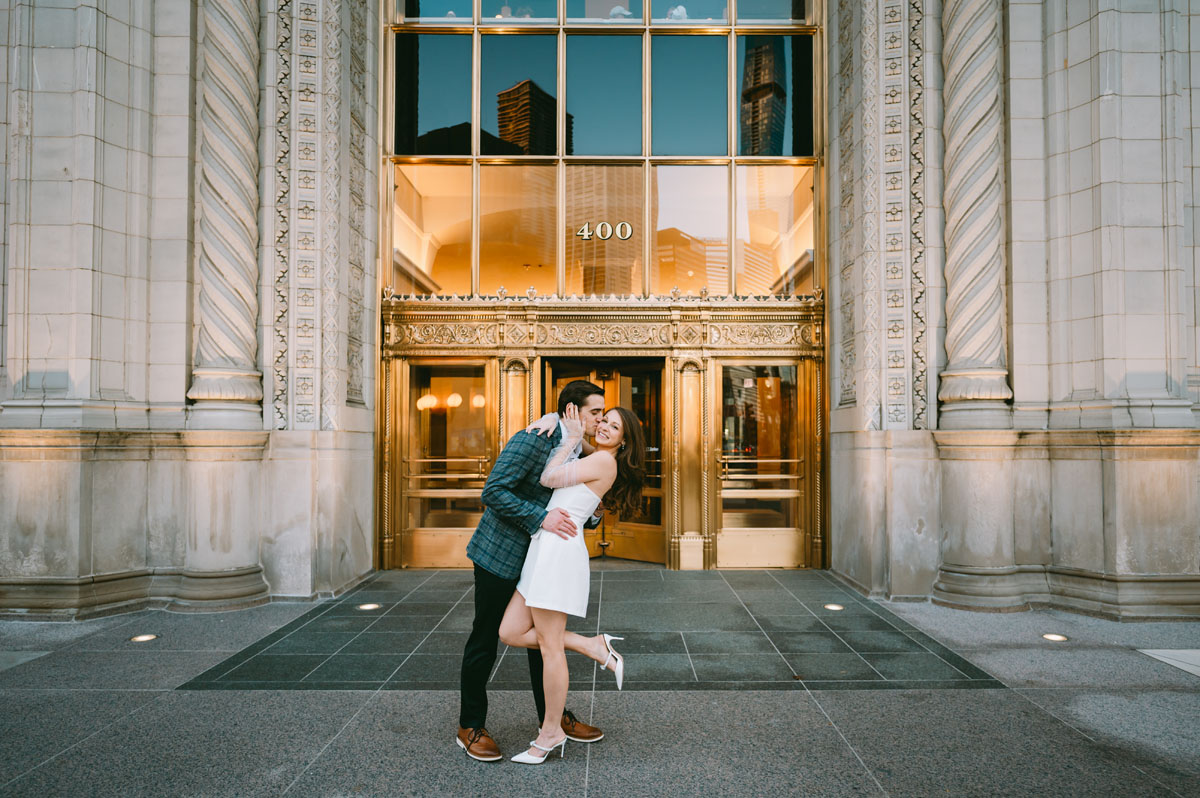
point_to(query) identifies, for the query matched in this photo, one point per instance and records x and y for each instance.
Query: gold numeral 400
(605, 230)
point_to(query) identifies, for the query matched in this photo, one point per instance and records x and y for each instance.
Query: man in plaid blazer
(514, 510)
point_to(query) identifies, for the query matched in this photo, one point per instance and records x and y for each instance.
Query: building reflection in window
(694, 12)
(773, 250)
(774, 95)
(689, 105)
(518, 96)
(433, 94)
(689, 213)
(437, 11)
(610, 11)
(509, 12)
(604, 232)
(772, 11)
(431, 230)
(517, 225)
(606, 113)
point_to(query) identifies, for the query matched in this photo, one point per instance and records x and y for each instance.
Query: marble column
(974, 387)
(226, 383)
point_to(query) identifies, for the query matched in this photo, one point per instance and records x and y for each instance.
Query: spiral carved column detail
(975, 380)
(225, 378)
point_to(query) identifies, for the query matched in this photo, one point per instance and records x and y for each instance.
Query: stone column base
(200, 591)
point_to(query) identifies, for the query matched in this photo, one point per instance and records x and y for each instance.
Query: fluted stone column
(226, 384)
(974, 387)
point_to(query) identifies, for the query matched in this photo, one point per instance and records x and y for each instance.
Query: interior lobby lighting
(368, 606)
(478, 401)
(1055, 637)
(834, 607)
(142, 638)
(454, 400)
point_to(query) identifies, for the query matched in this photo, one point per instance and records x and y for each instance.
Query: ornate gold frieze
(615, 325)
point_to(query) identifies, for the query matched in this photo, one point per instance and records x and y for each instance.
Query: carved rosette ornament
(225, 378)
(975, 380)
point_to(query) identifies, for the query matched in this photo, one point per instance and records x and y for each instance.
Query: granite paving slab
(978, 743)
(199, 743)
(192, 631)
(19, 635)
(35, 725)
(110, 670)
(403, 743)
(718, 743)
(1079, 667)
(1158, 727)
(10, 659)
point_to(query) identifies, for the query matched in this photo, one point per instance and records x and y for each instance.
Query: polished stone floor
(738, 683)
(689, 630)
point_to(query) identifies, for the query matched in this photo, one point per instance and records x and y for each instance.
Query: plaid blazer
(514, 502)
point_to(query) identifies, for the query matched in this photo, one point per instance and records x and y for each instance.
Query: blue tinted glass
(689, 88)
(605, 10)
(693, 11)
(774, 95)
(433, 94)
(511, 11)
(518, 95)
(754, 10)
(438, 10)
(604, 95)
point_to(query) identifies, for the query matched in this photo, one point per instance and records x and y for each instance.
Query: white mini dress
(557, 572)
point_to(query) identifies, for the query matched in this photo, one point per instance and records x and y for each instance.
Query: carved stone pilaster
(974, 386)
(226, 383)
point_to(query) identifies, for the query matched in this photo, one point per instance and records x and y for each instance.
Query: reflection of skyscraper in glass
(526, 117)
(764, 96)
(611, 194)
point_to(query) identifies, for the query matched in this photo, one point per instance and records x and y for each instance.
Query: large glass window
(613, 147)
(517, 244)
(518, 95)
(604, 95)
(774, 246)
(689, 206)
(604, 233)
(607, 11)
(431, 229)
(433, 94)
(774, 95)
(689, 89)
(436, 11)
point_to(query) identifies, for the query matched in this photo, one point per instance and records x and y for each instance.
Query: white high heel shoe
(616, 659)
(526, 758)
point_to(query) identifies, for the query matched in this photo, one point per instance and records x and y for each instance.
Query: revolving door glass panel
(761, 468)
(446, 459)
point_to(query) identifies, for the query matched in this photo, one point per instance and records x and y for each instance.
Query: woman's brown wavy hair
(625, 495)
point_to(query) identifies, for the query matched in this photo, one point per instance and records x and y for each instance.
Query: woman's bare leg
(516, 629)
(551, 626)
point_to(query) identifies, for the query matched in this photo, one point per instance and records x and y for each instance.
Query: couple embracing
(531, 563)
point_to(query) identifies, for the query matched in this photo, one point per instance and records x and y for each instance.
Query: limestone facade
(189, 231)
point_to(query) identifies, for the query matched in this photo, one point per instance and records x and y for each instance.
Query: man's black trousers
(492, 595)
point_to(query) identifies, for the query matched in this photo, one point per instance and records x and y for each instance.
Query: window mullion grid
(731, 147)
(647, 184)
(560, 210)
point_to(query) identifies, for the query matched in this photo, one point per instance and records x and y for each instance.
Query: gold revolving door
(729, 393)
(635, 384)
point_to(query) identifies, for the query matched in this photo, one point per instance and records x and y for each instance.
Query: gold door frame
(691, 335)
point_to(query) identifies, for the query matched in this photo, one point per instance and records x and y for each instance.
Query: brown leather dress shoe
(478, 744)
(579, 731)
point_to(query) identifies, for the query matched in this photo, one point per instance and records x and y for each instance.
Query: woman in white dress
(555, 579)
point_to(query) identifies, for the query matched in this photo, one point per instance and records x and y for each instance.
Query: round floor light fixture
(146, 638)
(834, 607)
(1055, 637)
(368, 607)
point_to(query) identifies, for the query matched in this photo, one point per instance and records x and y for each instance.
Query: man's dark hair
(576, 392)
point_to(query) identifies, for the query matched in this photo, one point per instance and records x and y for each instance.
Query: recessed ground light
(368, 606)
(1054, 637)
(142, 638)
(834, 607)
